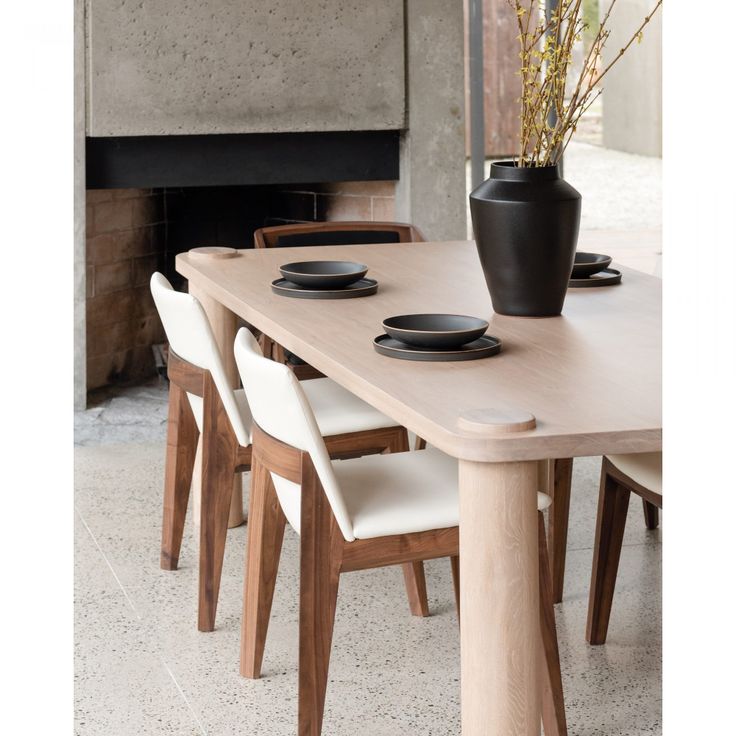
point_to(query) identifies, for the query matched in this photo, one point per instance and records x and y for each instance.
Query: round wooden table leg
(224, 326)
(237, 515)
(499, 599)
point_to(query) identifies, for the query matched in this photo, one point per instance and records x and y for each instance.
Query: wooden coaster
(213, 251)
(497, 421)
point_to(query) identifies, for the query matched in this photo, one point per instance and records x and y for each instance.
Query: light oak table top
(591, 378)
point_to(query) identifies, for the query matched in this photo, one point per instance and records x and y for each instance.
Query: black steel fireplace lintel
(248, 159)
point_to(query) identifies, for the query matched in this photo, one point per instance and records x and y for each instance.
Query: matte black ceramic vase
(526, 223)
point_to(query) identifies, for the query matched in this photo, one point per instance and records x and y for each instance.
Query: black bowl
(444, 331)
(586, 264)
(324, 274)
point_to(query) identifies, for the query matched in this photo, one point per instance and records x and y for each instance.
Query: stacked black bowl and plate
(324, 280)
(436, 337)
(592, 269)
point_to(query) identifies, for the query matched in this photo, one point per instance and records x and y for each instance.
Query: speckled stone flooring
(142, 667)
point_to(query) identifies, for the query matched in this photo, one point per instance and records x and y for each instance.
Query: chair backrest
(336, 233)
(281, 408)
(190, 337)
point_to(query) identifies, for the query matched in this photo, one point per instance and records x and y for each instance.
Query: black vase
(526, 223)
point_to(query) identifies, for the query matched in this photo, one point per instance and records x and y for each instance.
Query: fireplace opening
(134, 231)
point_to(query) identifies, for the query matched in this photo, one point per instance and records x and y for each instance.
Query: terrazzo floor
(142, 668)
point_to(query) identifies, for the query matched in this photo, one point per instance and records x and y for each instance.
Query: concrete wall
(159, 67)
(80, 302)
(632, 96)
(431, 192)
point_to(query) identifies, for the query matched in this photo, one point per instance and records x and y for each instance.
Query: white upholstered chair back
(281, 409)
(190, 337)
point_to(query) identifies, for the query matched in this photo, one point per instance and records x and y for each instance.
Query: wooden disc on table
(496, 421)
(213, 251)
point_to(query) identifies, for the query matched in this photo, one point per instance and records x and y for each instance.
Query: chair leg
(416, 588)
(613, 504)
(181, 447)
(321, 557)
(219, 450)
(414, 579)
(559, 514)
(553, 701)
(420, 443)
(266, 523)
(455, 565)
(651, 514)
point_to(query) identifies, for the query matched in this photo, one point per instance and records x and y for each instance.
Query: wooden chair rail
(186, 375)
(364, 554)
(276, 456)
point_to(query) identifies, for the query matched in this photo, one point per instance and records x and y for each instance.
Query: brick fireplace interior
(132, 232)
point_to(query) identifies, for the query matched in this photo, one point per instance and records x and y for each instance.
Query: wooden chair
(621, 475)
(325, 233)
(561, 483)
(336, 233)
(353, 515)
(201, 400)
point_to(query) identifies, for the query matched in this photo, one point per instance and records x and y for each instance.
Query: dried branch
(545, 52)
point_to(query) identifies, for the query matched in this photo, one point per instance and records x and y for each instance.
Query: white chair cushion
(645, 468)
(336, 410)
(399, 493)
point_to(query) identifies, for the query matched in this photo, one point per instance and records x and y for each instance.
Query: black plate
(586, 264)
(607, 277)
(440, 331)
(484, 347)
(323, 274)
(364, 287)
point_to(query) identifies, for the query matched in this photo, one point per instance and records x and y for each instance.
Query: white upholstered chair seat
(399, 493)
(644, 468)
(336, 410)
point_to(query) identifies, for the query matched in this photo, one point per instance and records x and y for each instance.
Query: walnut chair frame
(613, 505)
(559, 519)
(223, 456)
(324, 556)
(268, 237)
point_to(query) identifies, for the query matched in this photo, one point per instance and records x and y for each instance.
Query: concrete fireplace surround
(152, 68)
(253, 66)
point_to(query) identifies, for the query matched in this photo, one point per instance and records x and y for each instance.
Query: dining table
(585, 383)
